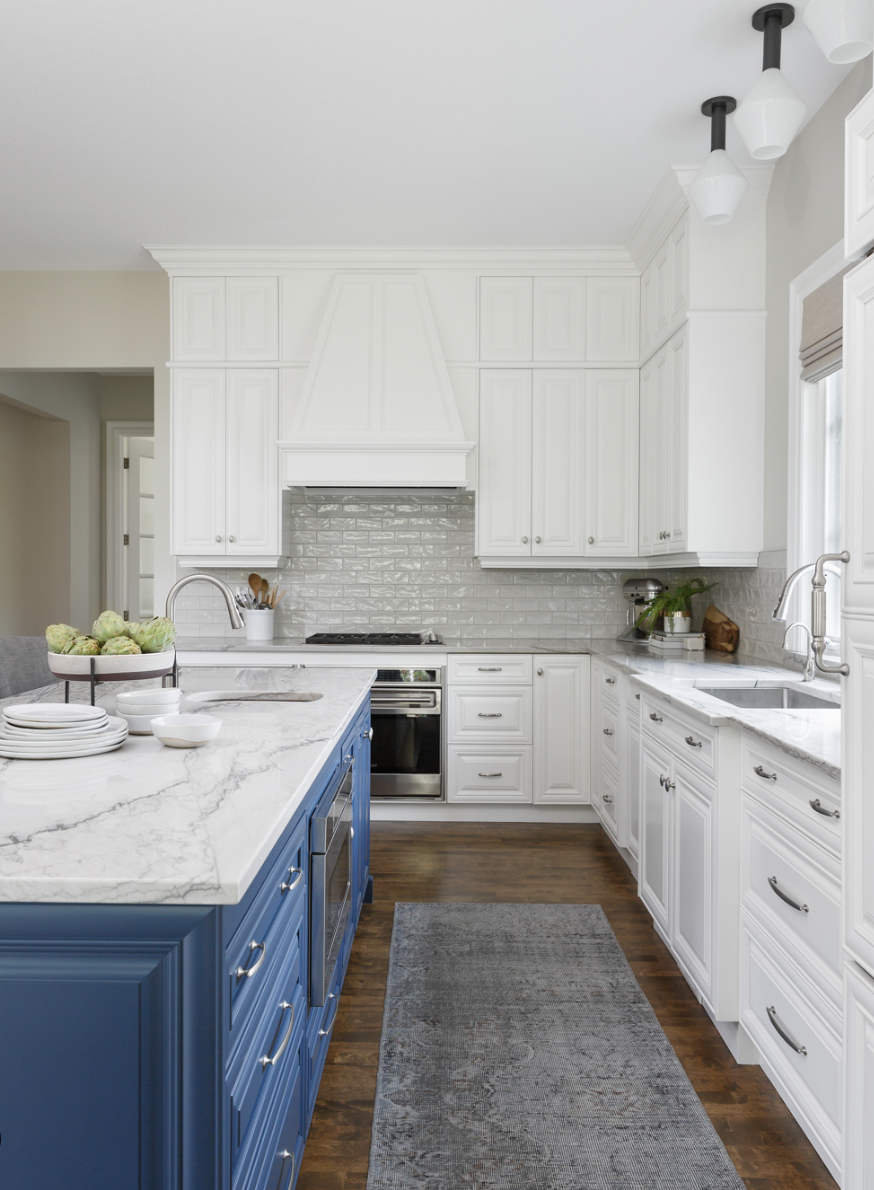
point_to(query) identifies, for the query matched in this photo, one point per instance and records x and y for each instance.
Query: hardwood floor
(516, 862)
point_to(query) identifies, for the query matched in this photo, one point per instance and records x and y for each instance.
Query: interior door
(139, 529)
(558, 473)
(656, 831)
(503, 496)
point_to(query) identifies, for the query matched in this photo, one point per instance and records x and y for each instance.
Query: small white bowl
(185, 731)
(146, 710)
(157, 697)
(137, 724)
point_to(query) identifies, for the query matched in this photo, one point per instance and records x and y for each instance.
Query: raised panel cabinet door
(694, 865)
(558, 471)
(676, 464)
(611, 465)
(858, 804)
(858, 1122)
(612, 319)
(253, 493)
(632, 784)
(561, 730)
(253, 318)
(503, 493)
(857, 585)
(646, 478)
(679, 281)
(661, 283)
(505, 319)
(198, 468)
(647, 312)
(655, 467)
(198, 319)
(656, 833)
(559, 318)
(859, 177)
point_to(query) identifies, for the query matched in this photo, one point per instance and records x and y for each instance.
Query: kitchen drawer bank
(171, 1047)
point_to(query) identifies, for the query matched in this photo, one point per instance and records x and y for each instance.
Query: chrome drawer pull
(761, 772)
(267, 1060)
(285, 1156)
(772, 1017)
(491, 714)
(610, 681)
(490, 774)
(607, 798)
(247, 972)
(367, 735)
(325, 1032)
(772, 880)
(666, 782)
(655, 718)
(607, 731)
(637, 696)
(817, 805)
(694, 743)
(490, 669)
(284, 888)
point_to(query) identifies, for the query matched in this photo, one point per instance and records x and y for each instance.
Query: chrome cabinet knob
(524, 540)
(540, 673)
(218, 537)
(232, 539)
(537, 540)
(591, 541)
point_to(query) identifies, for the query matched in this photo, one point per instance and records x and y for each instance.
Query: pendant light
(843, 29)
(719, 185)
(771, 115)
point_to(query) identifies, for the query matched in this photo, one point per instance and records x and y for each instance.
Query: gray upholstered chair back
(23, 665)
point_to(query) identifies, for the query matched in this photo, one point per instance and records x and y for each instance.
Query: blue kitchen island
(158, 1023)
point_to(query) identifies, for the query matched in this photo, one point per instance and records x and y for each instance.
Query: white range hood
(377, 409)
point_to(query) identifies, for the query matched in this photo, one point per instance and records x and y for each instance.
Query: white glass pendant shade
(843, 29)
(769, 118)
(717, 188)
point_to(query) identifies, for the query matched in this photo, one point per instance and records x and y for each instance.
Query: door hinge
(127, 539)
(125, 615)
(126, 464)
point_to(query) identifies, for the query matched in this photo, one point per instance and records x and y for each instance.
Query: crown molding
(230, 260)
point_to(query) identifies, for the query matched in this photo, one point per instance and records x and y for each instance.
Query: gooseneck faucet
(236, 618)
(818, 641)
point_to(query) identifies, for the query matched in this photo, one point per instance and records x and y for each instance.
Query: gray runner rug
(519, 1053)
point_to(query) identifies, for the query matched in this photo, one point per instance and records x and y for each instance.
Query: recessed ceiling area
(463, 122)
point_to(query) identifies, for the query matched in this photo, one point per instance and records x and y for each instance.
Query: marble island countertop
(154, 825)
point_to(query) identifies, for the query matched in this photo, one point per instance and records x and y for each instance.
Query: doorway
(130, 519)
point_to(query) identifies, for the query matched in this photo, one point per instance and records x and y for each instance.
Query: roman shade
(822, 329)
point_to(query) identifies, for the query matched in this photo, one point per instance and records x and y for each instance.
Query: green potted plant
(674, 605)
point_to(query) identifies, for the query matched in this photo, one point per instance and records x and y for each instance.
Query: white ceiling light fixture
(769, 118)
(843, 29)
(719, 185)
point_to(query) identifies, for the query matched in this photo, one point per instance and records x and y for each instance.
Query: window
(820, 484)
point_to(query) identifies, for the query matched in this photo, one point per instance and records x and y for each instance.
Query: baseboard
(455, 812)
(740, 1045)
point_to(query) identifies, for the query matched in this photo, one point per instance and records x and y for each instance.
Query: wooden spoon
(265, 587)
(255, 584)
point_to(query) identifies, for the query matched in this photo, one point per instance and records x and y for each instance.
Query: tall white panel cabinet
(198, 451)
(561, 729)
(504, 450)
(857, 631)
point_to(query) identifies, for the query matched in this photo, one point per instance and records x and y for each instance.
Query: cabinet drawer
(480, 775)
(606, 679)
(490, 715)
(607, 727)
(792, 887)
(258, 944)
(801, 1019)
(803, 794)
(481, 669)
(633, 704)
(693, 742)
(286, 1149)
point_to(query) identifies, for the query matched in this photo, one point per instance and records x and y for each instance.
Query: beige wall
(34, 521)
(805, 219)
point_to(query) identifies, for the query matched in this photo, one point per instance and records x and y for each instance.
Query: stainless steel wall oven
(406, 755)
(331, 879)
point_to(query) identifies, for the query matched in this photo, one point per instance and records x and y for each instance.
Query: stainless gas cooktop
(380, 639)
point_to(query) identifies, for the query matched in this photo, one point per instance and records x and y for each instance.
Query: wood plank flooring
(561, 864)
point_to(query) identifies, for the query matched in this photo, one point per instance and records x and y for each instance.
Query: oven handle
(401, 709)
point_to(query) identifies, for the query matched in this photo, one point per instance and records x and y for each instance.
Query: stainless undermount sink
(253, 696)
(780, 698)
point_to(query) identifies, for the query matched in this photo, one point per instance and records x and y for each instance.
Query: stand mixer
(640, 592)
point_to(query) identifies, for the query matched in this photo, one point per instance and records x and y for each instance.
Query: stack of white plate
(52, 731)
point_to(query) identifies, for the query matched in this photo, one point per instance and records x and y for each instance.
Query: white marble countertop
(154, 825)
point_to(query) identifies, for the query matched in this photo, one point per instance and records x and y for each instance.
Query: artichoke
(154, 635)
(106, 626)
(58, 635)
(82, 646)
(131, 627)
(120, 646)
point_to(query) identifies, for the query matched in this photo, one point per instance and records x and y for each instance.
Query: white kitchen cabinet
(664, 290)
(505, 319)
(611, 463)
(664, 472)
(198, 319)
(678, 292)
(561, 730)
(253, 318)
(631, 773)
(612, 319)
(486, 775)
(858, 1115)
(503, 493)
(656, 834)
(225, 488)
(559, 319)
(857, 585)
(859, 178)
(694, 886)
(559, 457)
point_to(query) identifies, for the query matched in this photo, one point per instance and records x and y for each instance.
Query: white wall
(805, 218)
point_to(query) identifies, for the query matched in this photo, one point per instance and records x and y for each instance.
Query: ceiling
(424, 122)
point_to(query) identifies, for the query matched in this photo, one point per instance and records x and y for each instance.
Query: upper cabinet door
(611, 465)
(253, 318)
(661, 282)
(612, 319)
(559, 318)
(647, 312)
(857, 587)
(679, 286)
(253, 491)
(503, 492)
(654, 464)
(505, 330)
(198, 318)
(859, 178)
(559, 463)
(676, 449)
(198, 451)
